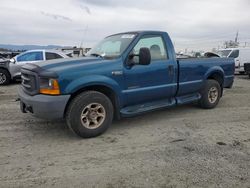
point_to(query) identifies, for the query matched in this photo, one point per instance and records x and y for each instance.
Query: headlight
(49, 86)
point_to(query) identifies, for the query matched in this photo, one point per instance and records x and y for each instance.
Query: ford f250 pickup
(126, 74)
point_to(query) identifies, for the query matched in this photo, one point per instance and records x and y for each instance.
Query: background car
(3, 59)
(240, 55)
(11, 70)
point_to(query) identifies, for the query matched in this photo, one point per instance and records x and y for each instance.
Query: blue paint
(152, 86)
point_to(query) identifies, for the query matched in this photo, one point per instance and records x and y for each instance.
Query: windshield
(224, 53)
(112, 46)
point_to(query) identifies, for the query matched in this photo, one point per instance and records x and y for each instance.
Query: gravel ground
(180, 147)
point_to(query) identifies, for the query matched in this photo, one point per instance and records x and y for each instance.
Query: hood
(59, 65)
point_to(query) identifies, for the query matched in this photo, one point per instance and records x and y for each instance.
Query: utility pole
(236, 37)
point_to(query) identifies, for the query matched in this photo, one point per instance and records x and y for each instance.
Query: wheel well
(219, 78)
(3, 68)
(102, 89)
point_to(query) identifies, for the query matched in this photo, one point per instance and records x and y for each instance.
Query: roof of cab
(140, 32)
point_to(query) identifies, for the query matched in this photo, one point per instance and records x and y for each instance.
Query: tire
(4, 77)
(210, 94)
(242, 72)
(89, 114)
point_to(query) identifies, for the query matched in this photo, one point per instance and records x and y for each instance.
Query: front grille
(29, 82)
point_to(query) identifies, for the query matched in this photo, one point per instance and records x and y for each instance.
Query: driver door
(146, 83)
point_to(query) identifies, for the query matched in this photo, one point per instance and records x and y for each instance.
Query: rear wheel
(4, 77)
(210, 94)
(89, 114)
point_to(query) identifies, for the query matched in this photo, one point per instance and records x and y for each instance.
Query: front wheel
(210, 94)
(89, 114)
(4, 77)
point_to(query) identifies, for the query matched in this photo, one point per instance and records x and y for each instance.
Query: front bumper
(43, 106)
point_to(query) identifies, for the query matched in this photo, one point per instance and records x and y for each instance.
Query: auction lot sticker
(127, 36)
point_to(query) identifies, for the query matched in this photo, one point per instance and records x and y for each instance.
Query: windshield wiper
(97, 55)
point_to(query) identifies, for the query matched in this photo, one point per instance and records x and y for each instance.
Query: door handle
(170, 69)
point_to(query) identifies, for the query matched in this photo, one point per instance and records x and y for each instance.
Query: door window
(156, 46)
(31, 56)
(234, 54)
(50, 55)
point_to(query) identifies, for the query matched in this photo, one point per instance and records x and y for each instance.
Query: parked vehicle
(126, 74)
(182, 56)
(2, 58)
(3, 71)
(9, 54)
(241, 56)
(247, 68)
(11, 69)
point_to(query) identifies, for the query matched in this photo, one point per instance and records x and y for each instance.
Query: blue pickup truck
(126, 74)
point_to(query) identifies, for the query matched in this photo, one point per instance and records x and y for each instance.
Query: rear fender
(214, 70)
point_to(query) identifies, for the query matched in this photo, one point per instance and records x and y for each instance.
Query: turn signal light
(52, 89)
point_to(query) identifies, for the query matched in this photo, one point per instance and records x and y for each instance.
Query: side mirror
(12, 60)
(144, 56)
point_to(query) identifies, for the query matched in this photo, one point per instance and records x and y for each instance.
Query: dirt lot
(180, 147)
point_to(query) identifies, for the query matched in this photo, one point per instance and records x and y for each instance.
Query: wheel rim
(93, 115)
(213, 94)
(2, 78)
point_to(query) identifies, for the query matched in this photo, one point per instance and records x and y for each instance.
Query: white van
(241, 56)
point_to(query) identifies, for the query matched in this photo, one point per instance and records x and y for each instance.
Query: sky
(192, 24)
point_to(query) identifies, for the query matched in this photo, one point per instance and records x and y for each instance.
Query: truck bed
(193, 70)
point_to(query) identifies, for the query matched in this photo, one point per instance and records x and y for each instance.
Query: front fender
(92, 80)
(4, 64)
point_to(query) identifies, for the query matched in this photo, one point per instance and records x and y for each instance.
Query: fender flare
(94, 80)
(214, 70)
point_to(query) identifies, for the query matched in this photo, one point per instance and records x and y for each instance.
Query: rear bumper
(43, 106)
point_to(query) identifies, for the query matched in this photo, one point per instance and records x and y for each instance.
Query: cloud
(192, 24)
(102, 3)
(56, 16)
(85, 8)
